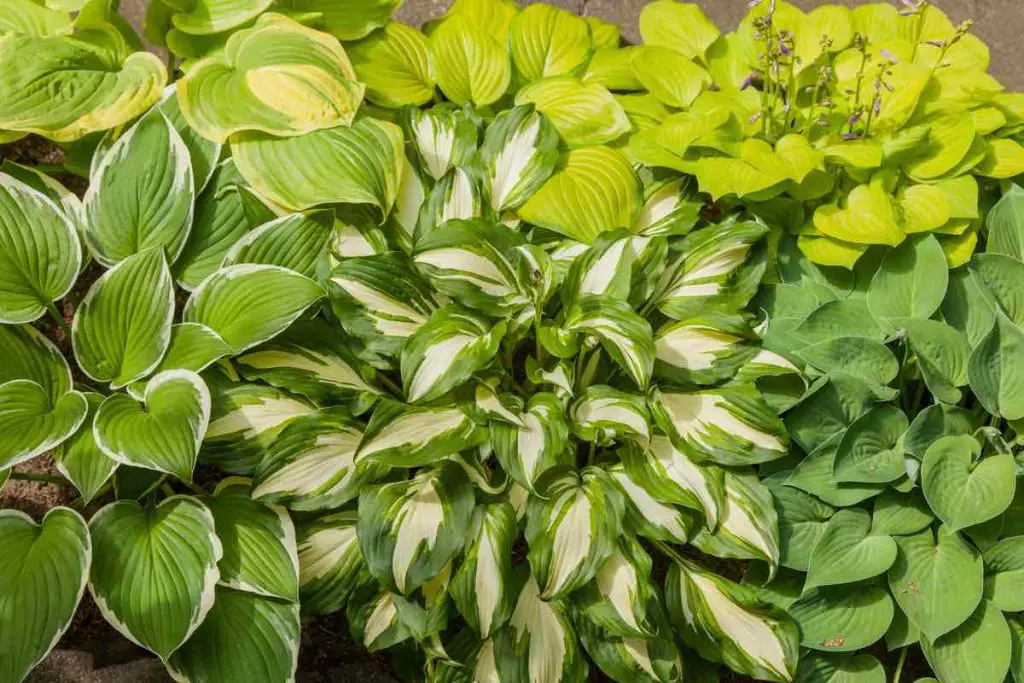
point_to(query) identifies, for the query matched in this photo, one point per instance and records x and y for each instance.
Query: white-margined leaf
(470, 62)
(670, 208)
(32, 421)
(584, 114)
(409, 530)
(455, 197)
(66, 200)
(28, 354)
(483, 587)
(619, 598)
(704, 350)
(572, 528)
(539, 442)
(623, 333)
(294, 241)
(81, 460)
(650, 517)
(203, 153)
(154, 569)
(545, 41)
(330, 562)
(748, 525)
(401, 435)
(624, 658)
(394, 63)
(442, 138)
(604, 414)
(193, 347)
(518, 154)
(729, 426)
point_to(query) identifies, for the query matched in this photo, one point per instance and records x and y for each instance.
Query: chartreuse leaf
(203, 153)
(209, 17)
(248, 304)
(519, 153)
(995, 371)
(23, 17)
(672, 78)
(1005, 223)
(81, 460)
(483, 586)
(32, 421)
(547, 41)
(43, 574)
(950, 139)
(1004, 573)
(680, 26)
(409, 530)
(612, 68)
(536, 444)
(623, 333)
(869, 216)
(572, 529)
(401, 435)
(594, 190)
(869, 451)
(330, 562)
(911, 282)
(346, 19)
(92, 88)
(977, 650)
(848, 551)
(962, 489)
(620, 597)
(726, 622)
(357, 164)
(394, 64)
(40, 253)
(584, 114)
(470, 62)
(863, 668)
(154, 569)
(748, 527)
(841, 619)
(602, 414)
(802, 521)
(141, 194)
(925, 208)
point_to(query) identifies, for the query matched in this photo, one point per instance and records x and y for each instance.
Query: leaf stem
(668, 551)
(194, 488)
(44, 478)
(59, 319)
(391, 386)
(899, 666)
(590, 456)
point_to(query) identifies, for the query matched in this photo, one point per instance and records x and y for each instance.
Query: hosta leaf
(726, 622)
(539, 442)
(837, 619)
(401, 435)
(141, 194)
(680, 26)
(395, 66)
(584, 114)
(483, 586)
(470, 63)
(900, 514)
(594, 189)
(32, 422)
(81, 460)
(612, 68)
(869, 216)
(950, 139)
(869, 451)
(669, 209)
(862, 668)
(979, 649)
(209, 17)
(357, 164)
(911, 281)
(748, 527)
(259, 543)
(669, 76)
(295, 241)
(30, 18)
(1004, 571)
(456, 196)
(376, 622)
(925, 208)
(848, 551)
(249, 304)
(43, 574)
(193, 347)
(802, 522)
(519, 153)
(864, 360)
(266, 649)
(963, 490)
(619, 598)
(442, 137)
(572, 530)
(602, 414)
(703, 351)
(66, 200)
(995, 371)
(40, 253)
(154, 569)
(942, 354)
(409, 530)
(329, 562)
(548, 41)
(1005, 223)
(728, 426)
(815, 475)
(28, 354)
(347, 19)
(202, 152)
(998, 274)
(652, 660)
(93, 90)
(624, 334)
(603, 269)
(163, 433)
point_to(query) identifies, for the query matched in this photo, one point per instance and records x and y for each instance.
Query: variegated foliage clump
(478, 359)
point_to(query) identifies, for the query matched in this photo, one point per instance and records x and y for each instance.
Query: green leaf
(966, 306)
(1017, 648)
(623, 334)
(911, 282)
(66, 201)
(979, 649)
(203, 153)
(672, 78)
(193, 347)
(995, 371)
(602, 414)
(624, 658)
(401, 435)
(857, 358)
(31, 356)
(963, 490)
(837, 619)
(470, 63)
(347, 19)
(1005, 222)
(584, 114)
(43, 574)
(818, 668)
(81, 460)
(209, 17)
(870, 451)
(934, 422)
(394, 63)
(330, 562)
(32, 421)
(294, 241)
(900, 514)
(519, 153)
(814, 475)
(409, 530)
(123, 327)
(1004, 572)
(998, 275)
(141, 194)
(547, 41)
(802, 521)
(537, 443)
(154, 570)
(250, 304)
(680, 26)
(849, 551)
(376, 622)
(483, 586)
(40, 253)
(748, 527)
(942, 355)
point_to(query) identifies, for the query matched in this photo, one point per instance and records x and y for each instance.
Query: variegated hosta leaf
(330, 562)
(584, 114)
(394, 63)
(628, 658)
(401, 435)
(193, 347)
(141, 194)
(726, 622)
(604, 269)
(278, 77)
(604, 414)
(619, 597)
(409, 530)
(624, 334)
(519, 153)
(66, 200)
(704, 350)
(381, 300)
(573, 529)
(81, 460)
(669, 475)
(470, 63)
(374, 619)
(670, 208)
(730, 426)
(450, 347)
(650, 517)
(203, 153)
(549, 41)
(294, 241)
(154, 569)
(32, 421)
(40, 253)
(539, 442)
(29, 355)
(442, 138)
(310, 465)
(43, 572)
(483, 585)
(749, 525)
(455, 197)
(408, 202)
(92, 88)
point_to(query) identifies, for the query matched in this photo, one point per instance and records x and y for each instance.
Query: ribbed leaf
(482, 586)
(911, 281)
(29, 355)
(619, 598)
(669, 76)
(518, 154)
(649, 516)
(979, 649)
(748, 527)
(81, 460)
(548, 41)
(837, 619)
(963, 489)
(470, 63)
(584, 114)
(995, 370)
(207, 17)
(294, 241)
(680, 26)
(330, 562)
(32, 421)
(802, 521)
(395, 66)
(870, 451)
(848, 551)
(442, 138)
(536, 444)
(193, 347)
(401, 435)
(347, 19)
(203, 153)
(624, 335)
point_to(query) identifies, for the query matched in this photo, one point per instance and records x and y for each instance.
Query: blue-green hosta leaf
(40, 253)
(43, 574)
(294, 241)
(834, 406)
(603, 414)
(1005, 223)
(357, 164)
(729, 426)
(409, 530)
(802, 522)
(32, 421)
(548, 41)
(584, 114)
(995, 371)
(704, 351)
(202, 152)
(330, 562)
(518, 154)
(154, 569)
(900, 514)
(278, 77)
(395, 66)
(838, 619)
(1017, 648)
(123, 327)
(470, 62)
(1004, 572)
(814, 474)
(573, 529)
(963, 489)
(29, 355)
(864, 360)
(249, 304)
(942, 355)
(81, 460)
(619, 597)
(164, 432)
(748, 525)
(265, 649)
(862, 668)
(401, 435)
(870, 451)
(92, 88)
(346, 19)
(536, 444)
(998, 275)
(141, 194)
(849, 551)
(726, 622)
(977, 650)
(258, 540)
(910, 283)
(651, 660)
(669, 76)
(483, 586)
(594, 189)
(442, 138)
(192, 347)
(680, 26)
(624, 335)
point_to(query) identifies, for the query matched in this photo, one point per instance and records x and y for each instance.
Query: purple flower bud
(748, 81)
(854, 118)
(784, 49)
(877, 106)
(849, 136)
(888, 55)
(785, 108)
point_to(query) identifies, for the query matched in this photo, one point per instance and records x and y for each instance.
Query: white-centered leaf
(442, 138)
(704, 350)
(539, 642)
(538, 442)
(748, 526)
(482, 586)
(649, 516)
(519, 153)
(619, 597)
(623, 333)
(400, 435)
(330, 562)
(602, 414)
